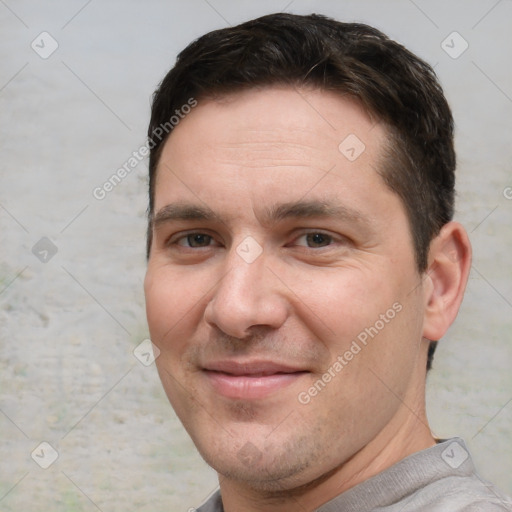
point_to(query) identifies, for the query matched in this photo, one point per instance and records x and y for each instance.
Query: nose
(249, 295)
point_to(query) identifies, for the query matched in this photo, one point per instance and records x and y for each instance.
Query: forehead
(269, 145)
(314, 118)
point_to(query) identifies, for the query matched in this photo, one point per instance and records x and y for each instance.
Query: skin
(320, 280)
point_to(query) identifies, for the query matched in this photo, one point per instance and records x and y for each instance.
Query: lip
(250, 380)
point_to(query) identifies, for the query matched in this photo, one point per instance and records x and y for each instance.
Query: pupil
(198, 239)
(318, 239)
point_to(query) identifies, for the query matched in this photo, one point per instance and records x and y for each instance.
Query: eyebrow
(184, 212)
(272, 215)
(315, 208)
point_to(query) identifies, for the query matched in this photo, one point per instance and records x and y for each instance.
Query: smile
(250, 381)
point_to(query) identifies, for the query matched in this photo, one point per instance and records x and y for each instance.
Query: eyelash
(175, 240)
(312, 233)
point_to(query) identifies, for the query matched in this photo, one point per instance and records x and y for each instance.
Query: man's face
(276, 254)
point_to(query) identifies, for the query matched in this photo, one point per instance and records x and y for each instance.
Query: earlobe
(447, 273)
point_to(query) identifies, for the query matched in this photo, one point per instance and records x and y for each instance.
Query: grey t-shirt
(438, 479)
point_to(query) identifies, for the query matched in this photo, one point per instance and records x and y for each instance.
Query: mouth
(250, 380)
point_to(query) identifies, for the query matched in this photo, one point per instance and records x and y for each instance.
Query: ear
(449, 264)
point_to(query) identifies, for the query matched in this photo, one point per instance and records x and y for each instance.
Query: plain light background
(68, 326)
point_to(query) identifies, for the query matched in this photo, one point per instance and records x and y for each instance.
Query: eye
(315, 240)
(195, 240)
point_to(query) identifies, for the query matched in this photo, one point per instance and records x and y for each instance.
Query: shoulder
(488, 507)
(461, 493)
(456, 485)
(442, 478)
(212, 504)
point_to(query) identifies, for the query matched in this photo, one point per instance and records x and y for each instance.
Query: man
(303, 262)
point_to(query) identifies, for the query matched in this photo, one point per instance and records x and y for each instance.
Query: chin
(265, 476)
(275, 468)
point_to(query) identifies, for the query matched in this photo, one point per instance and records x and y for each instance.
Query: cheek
(171, 304)
(344, 302)
(363, 306)
(381, 336)
(173, 312)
